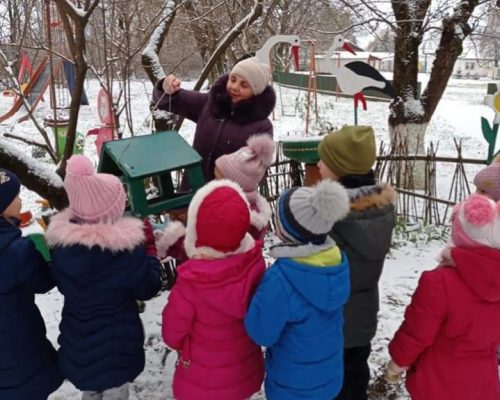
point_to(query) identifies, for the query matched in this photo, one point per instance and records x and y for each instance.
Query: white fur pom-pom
(330, 200)
(263, 146)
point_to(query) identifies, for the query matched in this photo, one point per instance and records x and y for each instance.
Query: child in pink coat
(448, 340)
(203, 319)
(247, 167)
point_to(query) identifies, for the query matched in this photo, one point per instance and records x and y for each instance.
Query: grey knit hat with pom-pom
(307, 214)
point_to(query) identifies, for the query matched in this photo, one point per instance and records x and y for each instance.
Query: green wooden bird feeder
(155, 156)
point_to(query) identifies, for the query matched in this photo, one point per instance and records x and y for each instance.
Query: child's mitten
(393, 372)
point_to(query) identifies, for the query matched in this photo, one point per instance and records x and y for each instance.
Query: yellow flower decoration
(493, 100)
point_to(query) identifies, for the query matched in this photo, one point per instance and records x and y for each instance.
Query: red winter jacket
(203, 320)
(452, 328)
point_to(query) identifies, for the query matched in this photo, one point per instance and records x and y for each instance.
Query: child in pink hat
(102, 263)
(203, 319)
(247, 167)
(447, 342)
(487, 180)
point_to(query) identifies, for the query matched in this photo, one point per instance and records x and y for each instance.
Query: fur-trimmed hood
(193, 249)
(374, 196)
(367, 229)
(246, 111)
(123, 235)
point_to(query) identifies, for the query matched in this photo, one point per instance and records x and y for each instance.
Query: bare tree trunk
(74, 26)
(408, 40)
(226, 41)
(42, 181)
(409, 115)
(151, 62)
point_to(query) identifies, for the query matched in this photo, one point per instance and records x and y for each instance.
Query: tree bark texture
(55, 195)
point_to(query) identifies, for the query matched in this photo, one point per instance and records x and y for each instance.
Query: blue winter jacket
(101, 269)
(297, 313)
(28, 362)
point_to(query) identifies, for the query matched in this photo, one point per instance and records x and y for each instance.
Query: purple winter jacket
(221, 126)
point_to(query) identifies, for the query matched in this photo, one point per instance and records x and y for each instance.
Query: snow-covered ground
(457, 116)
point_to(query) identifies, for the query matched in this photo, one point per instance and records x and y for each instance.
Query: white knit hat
(254, 72)
(476, 222)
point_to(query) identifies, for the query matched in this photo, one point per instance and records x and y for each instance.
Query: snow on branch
(151, 60)
(33, 166)
(226, 41)
(75, 12)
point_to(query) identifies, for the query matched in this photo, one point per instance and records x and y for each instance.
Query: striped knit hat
(307, 214)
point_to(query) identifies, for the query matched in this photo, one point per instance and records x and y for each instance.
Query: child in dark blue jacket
(28, 362)
(297, 311)
(102, 263)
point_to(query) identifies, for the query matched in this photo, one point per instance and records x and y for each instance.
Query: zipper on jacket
(217, 138)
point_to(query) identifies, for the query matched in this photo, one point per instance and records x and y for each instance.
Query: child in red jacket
(203, 319)
(448, 340)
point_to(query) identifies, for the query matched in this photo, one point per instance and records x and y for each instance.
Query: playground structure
(24, 75)
(106, 131)
(308, 83)
(55, 73)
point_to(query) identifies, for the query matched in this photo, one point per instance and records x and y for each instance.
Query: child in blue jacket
(102, 263)
(297, 311)
(28, 362)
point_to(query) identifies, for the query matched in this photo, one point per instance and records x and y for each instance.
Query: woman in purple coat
(237, 106)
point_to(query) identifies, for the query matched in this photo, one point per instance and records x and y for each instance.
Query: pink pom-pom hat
(93, 197)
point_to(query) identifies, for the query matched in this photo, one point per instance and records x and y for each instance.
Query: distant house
(474, 68)
(466, 66)
(379, 60)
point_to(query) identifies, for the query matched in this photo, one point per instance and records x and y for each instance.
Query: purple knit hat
(93, 197)
(487, 180)
(248, 165)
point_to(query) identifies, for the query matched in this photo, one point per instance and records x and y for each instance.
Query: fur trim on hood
(261, 216)
(243, 112)
(124, 235)
(192, 250)
(379, 196)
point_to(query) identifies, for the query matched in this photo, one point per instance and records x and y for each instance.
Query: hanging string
(155, 107)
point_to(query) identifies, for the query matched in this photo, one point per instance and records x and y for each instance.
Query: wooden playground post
(312, 83)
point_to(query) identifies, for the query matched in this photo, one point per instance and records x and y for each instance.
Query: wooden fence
(431, 203)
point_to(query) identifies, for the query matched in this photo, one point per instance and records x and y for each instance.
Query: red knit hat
(218, 221)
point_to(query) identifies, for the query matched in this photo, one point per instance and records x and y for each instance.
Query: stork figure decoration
(264, 53)
(356, 76)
